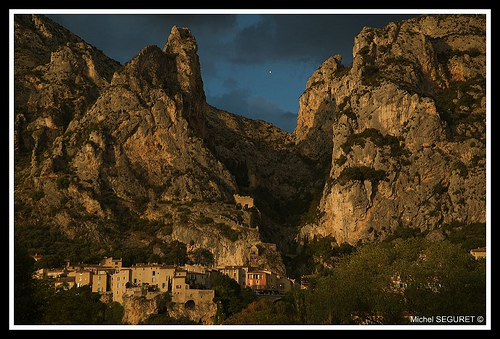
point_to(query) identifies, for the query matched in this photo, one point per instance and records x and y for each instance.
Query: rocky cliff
(111, 158)
(118, 156)
(406, 128)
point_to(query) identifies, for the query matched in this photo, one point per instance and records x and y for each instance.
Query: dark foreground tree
(387, 283)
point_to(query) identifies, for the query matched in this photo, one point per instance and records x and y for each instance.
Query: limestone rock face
(116, 159)
(408, 129)
(313, 133)
(122, 157)
(181, 45)
(57, 77)
(146, 115)
(137, 309)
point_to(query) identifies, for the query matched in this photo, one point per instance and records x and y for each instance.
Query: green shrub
(439, 189)
(361, 173)
(371, 76)
(62, 183)
(460, 167)
(377, 138)
(228, 232)
(204, 220)
(37, 195)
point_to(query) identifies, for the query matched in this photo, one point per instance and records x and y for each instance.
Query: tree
(384, 283)
(114, 313)
(358, 286)
(26, 305)
(75, 306)
(444, 279)
(230, 297)
(202, 256)
(176, 253)
(264, 312)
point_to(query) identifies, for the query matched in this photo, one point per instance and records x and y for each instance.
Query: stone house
(82, 277)
(264, 280)
(479, 252)
(120, 281)
(152, 274)
(190, 297)
(156, 276)
(237, 273)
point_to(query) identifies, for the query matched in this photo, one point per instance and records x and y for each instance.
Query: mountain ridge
(408, 121)
(120, 158)
(140, 154)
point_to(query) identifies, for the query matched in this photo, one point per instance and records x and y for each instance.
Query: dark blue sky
(237, 51)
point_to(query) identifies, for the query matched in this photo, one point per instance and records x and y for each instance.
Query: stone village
(138, 288)
(189, 285)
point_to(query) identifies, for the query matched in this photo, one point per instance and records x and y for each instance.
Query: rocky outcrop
(314, 132)
(268, 166)
(134, 148)
(57, 77)
(136, 309)
(407, 126)
(132, 156)
(146, 116)
(202, 313)
(181, 45)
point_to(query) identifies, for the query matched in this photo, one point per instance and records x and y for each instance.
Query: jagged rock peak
(313, 133)
(181, 45)
(176, 71)
(180, 38)
(150, 67)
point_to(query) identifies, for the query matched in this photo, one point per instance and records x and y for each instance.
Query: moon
(270, 71)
